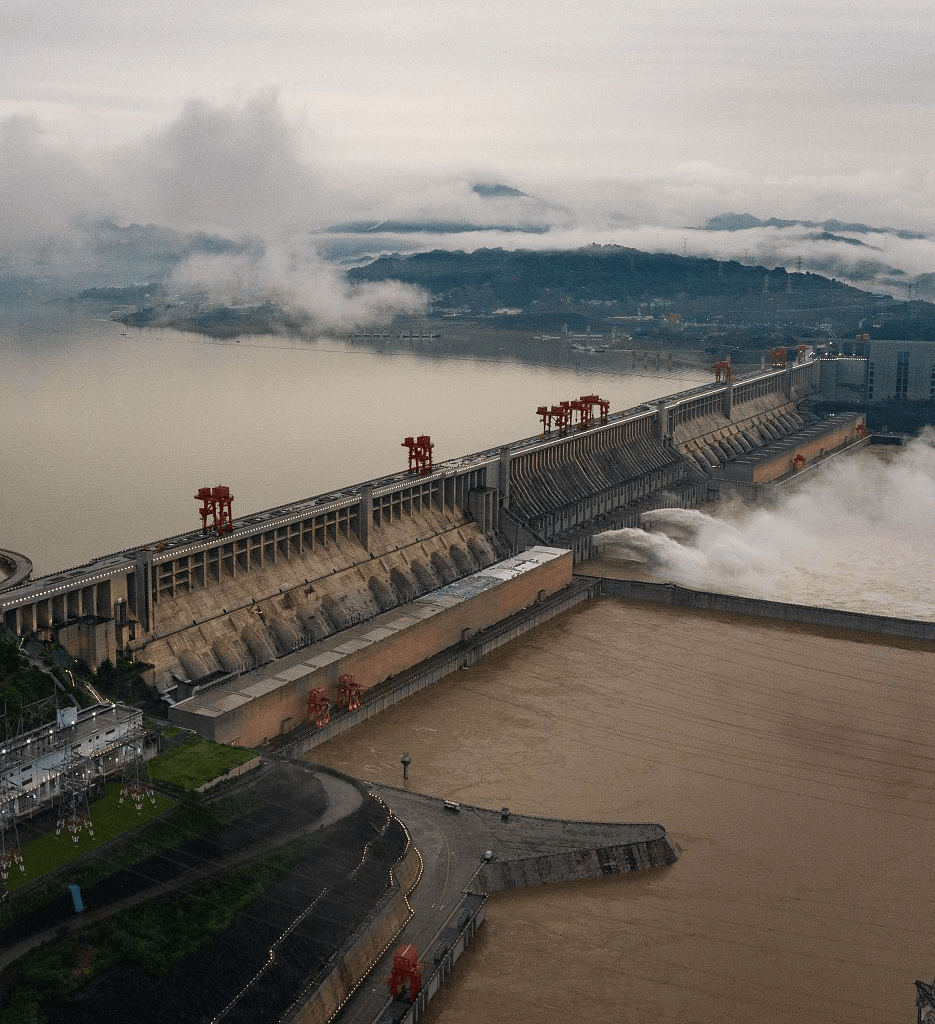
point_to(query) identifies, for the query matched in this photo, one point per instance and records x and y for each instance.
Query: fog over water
(857, 536)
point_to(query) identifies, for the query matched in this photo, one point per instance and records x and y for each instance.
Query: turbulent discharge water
(855, 536)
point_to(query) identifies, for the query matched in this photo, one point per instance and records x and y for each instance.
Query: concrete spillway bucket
(259, 644)
(481, 551)
(404, 585)
(285, 634)
(424, 575)
(316, 626)
(462, 560)
(383, 593)
(442, 565)
(194, 665)
(334, 613)
(232, 654)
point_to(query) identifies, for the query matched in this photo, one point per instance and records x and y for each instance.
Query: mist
(856, 536)
(276, 185)
(295, 278)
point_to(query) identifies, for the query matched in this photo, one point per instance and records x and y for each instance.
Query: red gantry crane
(405, 980)
(602, 405)
(216, 506)
(420, 453)
(318, 709)
(563, 413)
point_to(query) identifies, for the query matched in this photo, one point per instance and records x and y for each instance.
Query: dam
(239, 625)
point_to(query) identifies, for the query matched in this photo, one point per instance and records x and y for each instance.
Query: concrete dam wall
(203, 608)
(272, 700)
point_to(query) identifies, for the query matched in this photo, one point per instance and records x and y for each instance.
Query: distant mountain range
(609, 278)
(105, 255)
(832, 228)
(694, 297)
(436, 227)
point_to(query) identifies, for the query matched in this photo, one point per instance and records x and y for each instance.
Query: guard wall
(575, 865)
(808, 615)
(779, 459)
(271, 701)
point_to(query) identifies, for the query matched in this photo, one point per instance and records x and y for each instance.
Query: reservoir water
(108, 431)
(794, 771)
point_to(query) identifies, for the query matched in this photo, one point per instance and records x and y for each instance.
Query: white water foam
(860, 535)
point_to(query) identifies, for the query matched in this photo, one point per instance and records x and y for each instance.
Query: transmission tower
(29, 717)
(136, 783)
(10, 852)
(75, 781)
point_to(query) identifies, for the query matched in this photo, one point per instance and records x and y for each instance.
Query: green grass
(156, 935)
(192, 817)
(193, 764)
(109, 819)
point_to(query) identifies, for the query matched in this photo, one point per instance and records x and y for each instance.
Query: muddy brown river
(794, 770)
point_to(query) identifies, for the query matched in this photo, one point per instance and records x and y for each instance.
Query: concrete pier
(472, 850)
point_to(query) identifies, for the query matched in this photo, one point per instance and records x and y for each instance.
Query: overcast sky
(243, 116)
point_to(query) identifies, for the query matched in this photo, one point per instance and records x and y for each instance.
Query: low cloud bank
(250, 173)
(296, 279)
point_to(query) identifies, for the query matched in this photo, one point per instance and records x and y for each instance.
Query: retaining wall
(469, 652)
(574, 865)
(351, 964)
(833, 618)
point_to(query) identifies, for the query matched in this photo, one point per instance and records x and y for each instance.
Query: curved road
(452, 847)
(17, 569)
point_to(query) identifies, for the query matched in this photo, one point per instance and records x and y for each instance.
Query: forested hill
(492, 278)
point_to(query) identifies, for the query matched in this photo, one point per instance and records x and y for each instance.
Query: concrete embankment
(807, 615)
(574, 865)
(350, 964)
(477, 849)
(500, 850)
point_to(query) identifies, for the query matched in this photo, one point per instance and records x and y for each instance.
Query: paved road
(452, 846)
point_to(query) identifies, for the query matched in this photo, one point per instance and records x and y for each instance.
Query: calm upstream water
(109, 431)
